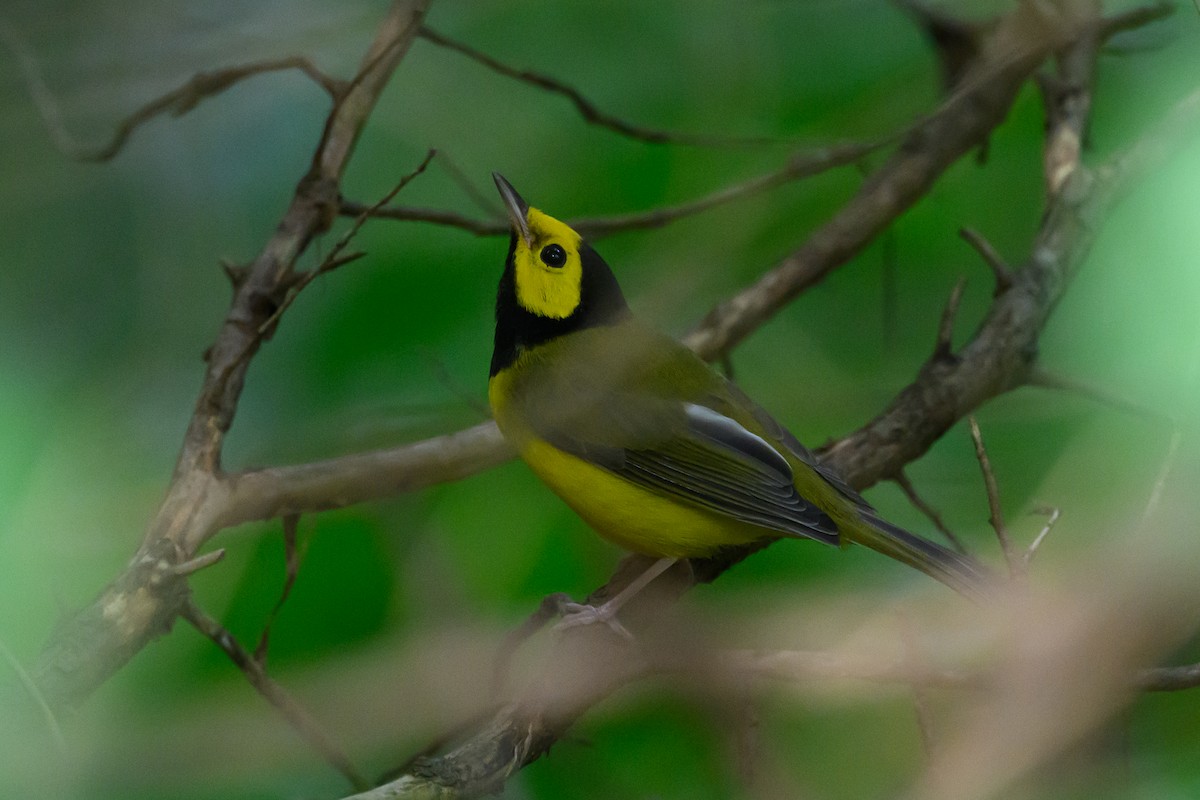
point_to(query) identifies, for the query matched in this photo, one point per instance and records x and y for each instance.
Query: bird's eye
(553, 255)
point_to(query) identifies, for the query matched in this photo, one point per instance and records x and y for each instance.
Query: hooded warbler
(651, 447)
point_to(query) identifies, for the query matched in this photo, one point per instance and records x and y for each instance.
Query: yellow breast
(628, 515)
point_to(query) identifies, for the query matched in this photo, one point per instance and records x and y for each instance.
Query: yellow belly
(630, 516)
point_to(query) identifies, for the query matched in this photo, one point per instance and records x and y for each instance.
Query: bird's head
(553, 283)
(545, 256)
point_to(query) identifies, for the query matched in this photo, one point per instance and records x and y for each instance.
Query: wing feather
(654, 414)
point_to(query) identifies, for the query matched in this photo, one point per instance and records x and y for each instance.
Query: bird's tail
(957, 570)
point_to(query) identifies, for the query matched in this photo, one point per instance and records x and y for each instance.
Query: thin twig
(978, 105)
(944, 346)
(955, 40)
(441, 373)
(176, 102)
(273, 693)
(799, 166)
(291, 561)
(31, 688)
(1170, 457)
(910, 491)
(1052, 514)
(335, 258)
(586, 108)
(143, 600)
(1045, 379)
(804, 164)
(198, 563)
(996, 514)
(434, 216)
(484, 201)
(1000, 269)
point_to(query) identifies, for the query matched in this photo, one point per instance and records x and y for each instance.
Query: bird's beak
(518, 209)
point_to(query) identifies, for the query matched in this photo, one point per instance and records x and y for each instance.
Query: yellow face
(547, 270)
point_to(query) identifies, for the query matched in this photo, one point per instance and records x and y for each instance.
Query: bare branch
(273, 693)
(587, 665)
(435, 216)
(484, 201)
(1169, 679)
(955, 40)
(31, 688)
(1053, 515)
(291, 566)
(585, 107)
(995, 513)
(1003, 272)
(801, 165)
(965, 119)
(188, 568)
(1045, 379)
(944, 348)
(144, 600)
(910, 491)
(335, 258)
(176, 102)
(339, 482)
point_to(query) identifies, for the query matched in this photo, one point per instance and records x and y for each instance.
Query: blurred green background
(110, 290)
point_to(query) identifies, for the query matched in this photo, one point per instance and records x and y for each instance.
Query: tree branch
(995, 512)
(251, 665)
(585, 107)
(176, 102)
(338, 482)
(143, 602)
(1010, 53)
(801, 165)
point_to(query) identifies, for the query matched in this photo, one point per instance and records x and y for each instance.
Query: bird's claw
(576, 614)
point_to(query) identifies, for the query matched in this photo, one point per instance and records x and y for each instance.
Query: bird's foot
(577, 614)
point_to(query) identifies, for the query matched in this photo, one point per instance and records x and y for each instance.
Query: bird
(651, 447)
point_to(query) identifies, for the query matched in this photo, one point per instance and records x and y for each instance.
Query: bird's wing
(776, 432)
(719, 464)
(627, 424)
